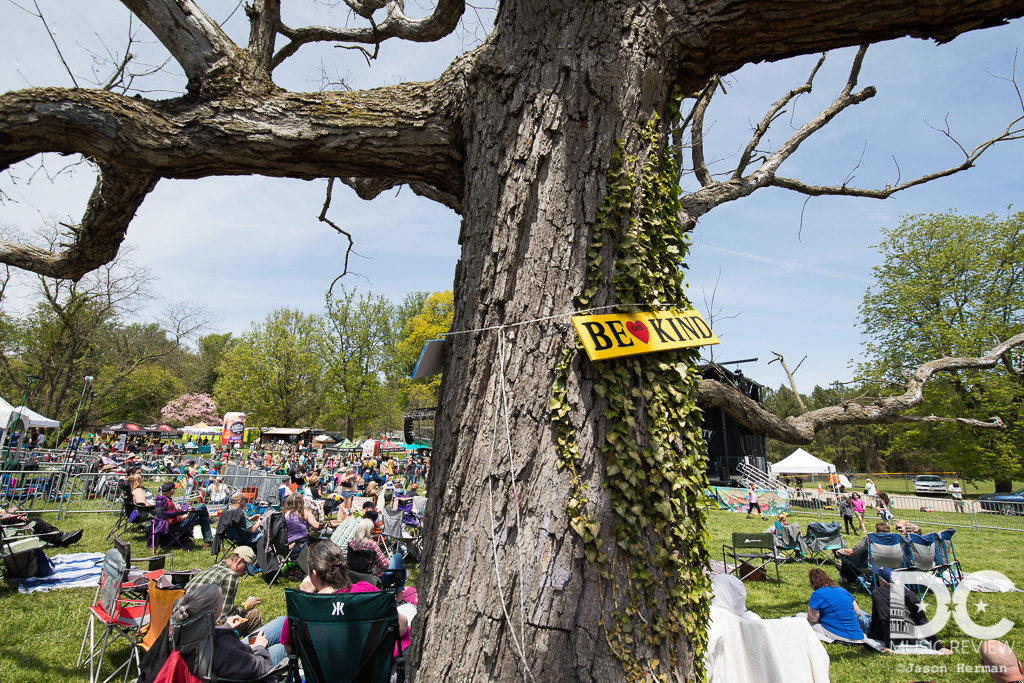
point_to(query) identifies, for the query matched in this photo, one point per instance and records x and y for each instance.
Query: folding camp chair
(823, 539)
(19, 549)
(163, 533)
(119, 616)
(230, 533)
(161, 604)
(194, 640)
(919, 554)
(396, 538)
(945, 556)
(789, 544)
(753, 547)
(883, 550)
(156, 562)
(344, 637)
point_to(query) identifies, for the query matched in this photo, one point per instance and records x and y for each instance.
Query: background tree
(210, 352)
(357, 341)
(950, 285)
(275, 373)
(189, 409)
(76, 328)
(560, 141)
(431, 321)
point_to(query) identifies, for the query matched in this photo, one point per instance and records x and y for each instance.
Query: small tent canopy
(201, 429)
(802, 462)
(37, 420)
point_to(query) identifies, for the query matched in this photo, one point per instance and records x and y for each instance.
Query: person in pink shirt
(857, 503)
(328, 573)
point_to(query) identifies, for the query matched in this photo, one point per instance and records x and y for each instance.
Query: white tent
(8, 413)
(802, 462)
(37, 420)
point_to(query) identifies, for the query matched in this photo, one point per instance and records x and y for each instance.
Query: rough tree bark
(519, 134)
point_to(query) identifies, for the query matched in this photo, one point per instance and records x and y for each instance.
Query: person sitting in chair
(44, 530)
(180, 519)
(233, 659)
(328, 573)
(297, 519)
(141, 496)
(224, 574)
(363, 541)
(856, 558)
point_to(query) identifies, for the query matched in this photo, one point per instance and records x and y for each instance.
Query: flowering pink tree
(191, 408)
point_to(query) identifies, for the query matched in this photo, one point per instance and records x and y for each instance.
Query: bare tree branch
(773, 113)
(700, 168)
(715, 194)
(116, 197)
(435, 26)
(195, 40)
(789, 374)
(887, 410)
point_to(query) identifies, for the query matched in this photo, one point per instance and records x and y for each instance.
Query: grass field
(40, 633)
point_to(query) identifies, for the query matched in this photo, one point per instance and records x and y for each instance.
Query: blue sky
(245, 246)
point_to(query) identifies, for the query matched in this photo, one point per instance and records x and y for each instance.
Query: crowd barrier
(33, 490)
(936, 512)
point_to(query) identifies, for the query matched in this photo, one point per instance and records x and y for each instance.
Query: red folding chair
(118, 616)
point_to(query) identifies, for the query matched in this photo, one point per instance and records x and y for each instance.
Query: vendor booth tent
(201, 429)
(802, 462)
(8, 413)
(37, 420)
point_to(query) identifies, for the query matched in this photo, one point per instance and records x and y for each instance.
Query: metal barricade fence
(33, 490)
(94, 492)
(934, 511)
(1006, 517)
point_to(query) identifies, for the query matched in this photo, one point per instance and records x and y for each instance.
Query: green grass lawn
(40, 633)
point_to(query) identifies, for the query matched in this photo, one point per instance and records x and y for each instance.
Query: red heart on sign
(639, 330)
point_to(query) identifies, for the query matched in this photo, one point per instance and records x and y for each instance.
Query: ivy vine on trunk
(654, 451)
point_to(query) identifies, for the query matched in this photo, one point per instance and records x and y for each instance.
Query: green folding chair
(756, 550)
(344, 637)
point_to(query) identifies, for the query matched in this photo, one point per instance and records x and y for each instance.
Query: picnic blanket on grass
(73, 570)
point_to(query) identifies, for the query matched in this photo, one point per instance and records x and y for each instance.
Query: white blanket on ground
(988, 582)
(72, 570)
(766, 651)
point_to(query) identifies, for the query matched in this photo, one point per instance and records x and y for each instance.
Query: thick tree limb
(116, 197)
(435, 26)
(195, 40)
(802, 428)
(402, 132)
(764, 30)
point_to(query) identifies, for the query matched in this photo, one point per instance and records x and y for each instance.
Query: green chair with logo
(344, 637)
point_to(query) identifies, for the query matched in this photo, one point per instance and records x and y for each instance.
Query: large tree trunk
(541, 130)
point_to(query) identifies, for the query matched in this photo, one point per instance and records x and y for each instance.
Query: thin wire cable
(494, 543)
(515, 493)
(555, 317)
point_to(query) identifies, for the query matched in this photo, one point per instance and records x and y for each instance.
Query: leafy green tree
(357, 344)
(276, 372)
(951, 285)
(432, 320)
(211, 349)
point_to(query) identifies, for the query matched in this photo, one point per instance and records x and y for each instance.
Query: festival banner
(234, 428)
(735, 500)
(626, 334)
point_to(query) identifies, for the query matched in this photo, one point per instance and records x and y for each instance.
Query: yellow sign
(626, 334)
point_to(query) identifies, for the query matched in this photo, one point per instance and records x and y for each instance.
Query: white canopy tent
(8, 413)
(801, 462)
(37, 420)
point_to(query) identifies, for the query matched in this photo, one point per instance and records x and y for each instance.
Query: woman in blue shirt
(832, 611)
